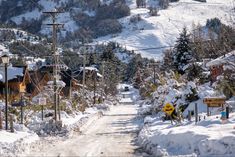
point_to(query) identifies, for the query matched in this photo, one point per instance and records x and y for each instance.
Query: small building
(89, 73)
(44, 74)
(18, 80)
(39, 79)
(219, 65)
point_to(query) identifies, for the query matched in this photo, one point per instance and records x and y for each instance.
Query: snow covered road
(114, 134)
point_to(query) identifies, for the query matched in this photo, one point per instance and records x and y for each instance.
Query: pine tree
(91, 59)
(141, 3)
(108, 54)
(182, 51)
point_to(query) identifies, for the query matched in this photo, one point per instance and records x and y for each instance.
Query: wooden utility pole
(6, 98)
(0, 120)
(84, 54)
(154, 71)
(70, 89)
(55, 55)
(103, 85)
(83, 76)
(196, 113)
(95, 77)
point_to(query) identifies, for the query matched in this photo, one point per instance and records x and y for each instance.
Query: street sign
(215, 105)
(42, 101)
(214, 102)
(168, 109)
(18, 104)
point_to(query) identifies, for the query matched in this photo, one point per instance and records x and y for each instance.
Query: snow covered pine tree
(182, 51)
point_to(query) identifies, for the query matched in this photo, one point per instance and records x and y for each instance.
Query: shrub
(116, 11)
(164, 4)
(135, 18)
(141, 3)
(108, 26)
(153, 11)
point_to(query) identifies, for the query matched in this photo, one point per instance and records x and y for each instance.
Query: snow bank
(225, 59)
(12, 143)
(208, 137)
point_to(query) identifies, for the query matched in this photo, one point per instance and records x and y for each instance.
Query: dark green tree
(182, 51)
(132, 67)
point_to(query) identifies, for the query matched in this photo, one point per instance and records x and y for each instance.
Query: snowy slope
(162, 31)
(69, 24)
(152, 31)
(21, 35)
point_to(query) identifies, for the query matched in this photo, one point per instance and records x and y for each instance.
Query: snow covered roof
(33, 63)
(12, 72)
(3, 50)
(90, 68)
(193, 63)
(99, 75)
(227, 59)
(58, 82)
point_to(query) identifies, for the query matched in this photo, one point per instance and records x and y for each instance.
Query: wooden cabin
(18, 80)
(216, 71)
(219, 65)
(41, 77)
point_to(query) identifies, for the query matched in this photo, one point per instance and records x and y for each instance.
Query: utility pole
(103, 85)
(154, 71)
(84, 77)
(55, 55)
(6, 98)
(70, 88)
(84, 54)
(95, 77)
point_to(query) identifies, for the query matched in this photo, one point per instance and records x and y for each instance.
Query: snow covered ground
(13, 143)
(25, 138)
(162, 31)
(90, 133)
(131, 95)
(111, 135)
(209, 137)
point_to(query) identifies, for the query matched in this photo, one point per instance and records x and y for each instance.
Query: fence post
(11, 123)
(189, 115)
(227, 112)
(0, 120)
(208, 111)
(21, 114)
(42, 112)
(196, 113)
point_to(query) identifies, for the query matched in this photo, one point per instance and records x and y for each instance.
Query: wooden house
(39, 80)
(219, 65)
(43, 75)
(89, 73)
(18, 80)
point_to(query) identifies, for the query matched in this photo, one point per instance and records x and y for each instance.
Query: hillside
(162, 30)
(112, 20)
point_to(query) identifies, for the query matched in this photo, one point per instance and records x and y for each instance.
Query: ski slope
(162, 31)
